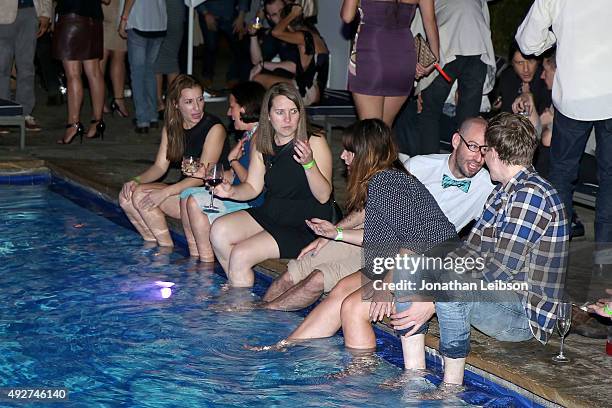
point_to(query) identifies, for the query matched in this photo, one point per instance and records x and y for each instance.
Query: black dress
(288, 203)
(196, 136)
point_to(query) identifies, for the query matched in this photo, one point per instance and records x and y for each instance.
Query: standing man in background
(582, 93)
(21, 23)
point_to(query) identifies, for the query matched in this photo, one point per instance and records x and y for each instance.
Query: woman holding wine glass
(295, 168)
(244, 109)
(187, 131)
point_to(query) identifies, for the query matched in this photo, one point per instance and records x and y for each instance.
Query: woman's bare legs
(324, 320)
(73, 70)
(155, 218)
(136, 219)
(96, 88)
(117, 74)
(160, 88)
(391, 108)
(200, 229)
(267, 80)
(103, 62)
(356, 324)
(385, 108)
(368, 106)
(239, 243)
(191, 243)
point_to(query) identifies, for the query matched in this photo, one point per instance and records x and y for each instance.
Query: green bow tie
(463, 185)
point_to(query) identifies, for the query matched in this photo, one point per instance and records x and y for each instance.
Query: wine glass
(564, 321)
(190, 165)
(214, 177)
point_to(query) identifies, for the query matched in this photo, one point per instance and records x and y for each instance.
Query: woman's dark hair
(371, 141)
(249, 95)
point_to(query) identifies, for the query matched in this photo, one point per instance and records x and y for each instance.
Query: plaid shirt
(523, 235)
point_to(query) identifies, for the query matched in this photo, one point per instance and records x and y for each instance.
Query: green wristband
(309, 165)
(136, 179)
(339, 234)
(607, 310)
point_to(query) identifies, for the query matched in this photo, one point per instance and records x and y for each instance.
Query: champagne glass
(564, 321)
(190, 165)
(214, 177)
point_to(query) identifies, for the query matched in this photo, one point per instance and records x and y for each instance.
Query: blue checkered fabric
(523, 234)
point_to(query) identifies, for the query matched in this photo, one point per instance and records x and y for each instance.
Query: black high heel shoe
(115, 108)
(100, 128)
(80, 130)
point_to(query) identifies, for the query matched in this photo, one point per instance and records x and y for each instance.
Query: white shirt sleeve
(534, 36)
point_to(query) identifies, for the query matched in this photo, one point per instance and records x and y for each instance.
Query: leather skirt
(78, 38)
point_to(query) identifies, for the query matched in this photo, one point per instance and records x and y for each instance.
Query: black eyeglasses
(474, 147)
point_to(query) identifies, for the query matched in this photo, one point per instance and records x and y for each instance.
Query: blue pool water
(83, 307)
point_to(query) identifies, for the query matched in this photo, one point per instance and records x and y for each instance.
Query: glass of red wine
(214, 177)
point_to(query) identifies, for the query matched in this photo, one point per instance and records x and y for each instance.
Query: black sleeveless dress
(288, 203)
(196, 136)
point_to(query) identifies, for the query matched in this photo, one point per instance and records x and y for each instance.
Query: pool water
(87, 306)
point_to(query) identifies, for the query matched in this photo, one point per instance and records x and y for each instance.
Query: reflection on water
(120, 323)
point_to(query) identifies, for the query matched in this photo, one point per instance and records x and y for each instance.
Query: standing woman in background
(78, 43)
(383, 63)
(115, 49)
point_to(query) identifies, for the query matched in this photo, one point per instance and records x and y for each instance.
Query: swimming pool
(86, 306)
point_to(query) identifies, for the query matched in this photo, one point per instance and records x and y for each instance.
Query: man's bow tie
(464, 185)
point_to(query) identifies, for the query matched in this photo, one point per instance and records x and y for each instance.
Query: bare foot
(280, 346)
(360, 365)
(403, 379)
(443, 392)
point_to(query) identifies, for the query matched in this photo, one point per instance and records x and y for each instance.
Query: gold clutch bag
(425, 56)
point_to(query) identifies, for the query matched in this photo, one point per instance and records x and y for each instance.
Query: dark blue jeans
(211, 47)
(568, 142)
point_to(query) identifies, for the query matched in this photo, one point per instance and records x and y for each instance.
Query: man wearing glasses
(445, 176)
(457, 182)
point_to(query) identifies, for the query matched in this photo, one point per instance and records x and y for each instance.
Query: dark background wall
(506, 16)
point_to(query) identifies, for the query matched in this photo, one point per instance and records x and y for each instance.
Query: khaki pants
(336, 260)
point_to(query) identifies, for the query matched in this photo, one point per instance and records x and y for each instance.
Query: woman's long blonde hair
(265, 132)
(173, 120)
(371, 141)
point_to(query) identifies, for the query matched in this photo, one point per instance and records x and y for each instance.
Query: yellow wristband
(136, 179)
(309, 165)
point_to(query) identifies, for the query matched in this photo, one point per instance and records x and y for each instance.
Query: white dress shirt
(582, 88)
(459, 207)
(464, 28)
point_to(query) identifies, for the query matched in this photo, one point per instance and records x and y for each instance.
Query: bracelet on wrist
(136, 179)
(339, 234)
(309, 165)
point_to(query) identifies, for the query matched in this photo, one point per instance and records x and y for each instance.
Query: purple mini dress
(383, 60)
